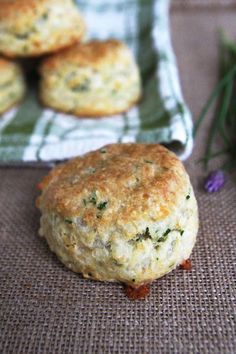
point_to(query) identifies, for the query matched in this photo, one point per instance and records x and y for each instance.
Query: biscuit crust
(12, 85)
(95, 54)
(126, 212)
(37, 27)
(96, 78)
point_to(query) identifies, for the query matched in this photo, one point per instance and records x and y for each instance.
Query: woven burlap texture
(45, 308)
(203, 3)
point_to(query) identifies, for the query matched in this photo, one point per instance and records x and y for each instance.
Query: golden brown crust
(39, 51)
(125, 212)
(91, 113)
(130, 176)
(25, 26)
(98, 78)
(10, 7)
(6, 64)
(93, 53)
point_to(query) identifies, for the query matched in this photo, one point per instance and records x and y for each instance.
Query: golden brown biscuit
(36, 27)
(12, 85)
(91, 79)
(126, 212)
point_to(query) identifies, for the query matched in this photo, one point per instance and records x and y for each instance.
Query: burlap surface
(45, 308)
(203, 3)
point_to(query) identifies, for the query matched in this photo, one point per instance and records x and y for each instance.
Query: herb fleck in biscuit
(35, 27)
(126, 212)
(12, 85)
(91, 79)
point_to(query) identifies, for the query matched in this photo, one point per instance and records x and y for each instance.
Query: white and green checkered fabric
(32, 133)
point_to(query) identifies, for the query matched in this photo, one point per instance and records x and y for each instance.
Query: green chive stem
(213, 96)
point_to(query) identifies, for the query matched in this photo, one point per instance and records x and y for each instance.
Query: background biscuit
(12, 85)
(36, 27)
(91, 79)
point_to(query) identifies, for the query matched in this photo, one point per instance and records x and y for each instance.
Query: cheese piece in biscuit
(12, 85)
(126, 213)
(91, 79)
(36, 27)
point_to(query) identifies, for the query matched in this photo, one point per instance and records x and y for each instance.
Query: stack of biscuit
(82, 78)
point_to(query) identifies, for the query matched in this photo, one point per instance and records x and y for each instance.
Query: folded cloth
(32, 133)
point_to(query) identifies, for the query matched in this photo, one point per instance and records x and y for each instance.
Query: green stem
(213, 96)
(229, 165)
(214, 155)
(224, 109)
(219, 121)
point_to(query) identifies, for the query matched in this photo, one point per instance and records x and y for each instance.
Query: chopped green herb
(108, 246)
(116, 263)
(45, 16)
(93, 198)
(179, 230)
(69, 221)
(143, 236)
(167, 232)
(25, 48)
(22, 35)
(148, 161)
(91, 170)
(157, 259)
(164, 236)
(103, 151)
(84, 86)
(188, 197)
(102, 205)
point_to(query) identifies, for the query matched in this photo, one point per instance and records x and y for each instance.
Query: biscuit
(36, 27)
(12, 85)
(126, 213)
(91, 79)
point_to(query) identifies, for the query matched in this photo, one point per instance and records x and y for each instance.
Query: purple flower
(215, 181)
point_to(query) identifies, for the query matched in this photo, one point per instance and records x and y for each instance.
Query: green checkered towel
(32, 133)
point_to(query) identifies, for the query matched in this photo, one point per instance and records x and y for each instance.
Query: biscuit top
(93, 54)
(20, 15)
(9, 6)
(14, 8)
(124, 181)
